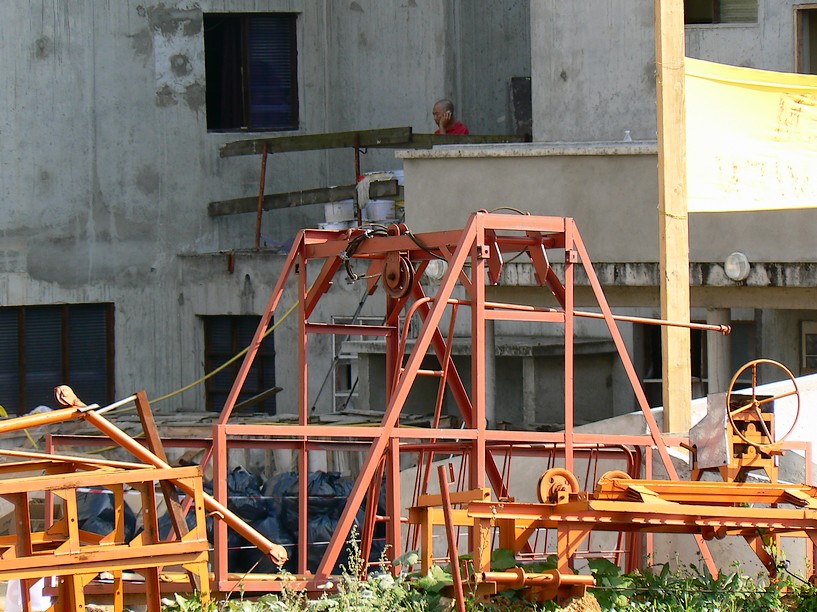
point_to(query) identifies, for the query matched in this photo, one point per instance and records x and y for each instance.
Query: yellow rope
(191, 385)
(5, 415)
(226, 363)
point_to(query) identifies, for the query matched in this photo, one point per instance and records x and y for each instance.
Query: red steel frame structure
(398, 261)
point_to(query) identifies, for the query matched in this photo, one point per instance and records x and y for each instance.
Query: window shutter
(738, 11)
(224, 337)
(87, 352)
(9, 361)
(272, 77)
(43, 356)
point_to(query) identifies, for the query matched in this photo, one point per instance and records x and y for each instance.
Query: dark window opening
(42, 347)
(653, 370)
(806, 50)
(251, 71)
(224, 337)
(720, 11)
(742, 349)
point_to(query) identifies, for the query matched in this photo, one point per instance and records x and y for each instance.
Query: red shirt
(457, 128)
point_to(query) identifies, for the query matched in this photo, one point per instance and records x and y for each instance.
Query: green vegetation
(690, 589)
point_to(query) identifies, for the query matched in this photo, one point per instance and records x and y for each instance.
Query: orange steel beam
(404, 384)
(79, 556)
(480, 246)
(277, 553)
(274, 551)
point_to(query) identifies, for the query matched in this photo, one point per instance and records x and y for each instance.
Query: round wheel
(615, 475)
(398, 276)
(754, 404)
(555, 481)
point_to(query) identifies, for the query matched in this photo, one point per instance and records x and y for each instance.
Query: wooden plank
(388, 138)
(272, 201)
(672, 212)
(317, 142)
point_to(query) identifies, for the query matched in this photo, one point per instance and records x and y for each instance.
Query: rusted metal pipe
(37, 420)
(261, 198)
(517, 578)
(277, 553)
(722, 329)
(452, 540)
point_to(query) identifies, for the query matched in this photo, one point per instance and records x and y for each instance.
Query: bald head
(443, 113)
(444, 105)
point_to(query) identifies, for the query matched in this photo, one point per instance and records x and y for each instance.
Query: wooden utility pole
(672, 212)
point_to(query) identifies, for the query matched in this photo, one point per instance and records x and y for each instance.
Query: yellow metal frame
(77, 557)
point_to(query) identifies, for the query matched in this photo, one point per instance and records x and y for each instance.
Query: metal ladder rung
(436, 373)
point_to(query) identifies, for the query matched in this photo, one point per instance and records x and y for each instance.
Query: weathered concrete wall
(611, 190)
(594, 63)
(107, 165)
(494, 38)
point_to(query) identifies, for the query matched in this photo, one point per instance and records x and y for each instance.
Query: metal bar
(393, 489)
(258, 338)
(370, 516)
(723, 329)
(453, 555)
(478, 358)
(276, 552)
(349, 330)
(52, 458)
(220, 541)
(398, 400)
(37, 420)
(569, 366)
(303, 509)
(261, 198)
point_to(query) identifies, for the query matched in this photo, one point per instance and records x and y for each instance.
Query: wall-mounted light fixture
(737, 266)
(436, 269)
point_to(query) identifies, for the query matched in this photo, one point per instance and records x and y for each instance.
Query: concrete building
(593, 75)
(113, 278)
(109, 147)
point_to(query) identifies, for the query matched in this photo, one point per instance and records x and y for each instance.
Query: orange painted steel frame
(77, 557)
(481, 246)
(620, 504)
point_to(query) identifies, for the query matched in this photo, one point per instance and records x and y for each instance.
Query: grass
(657, 589)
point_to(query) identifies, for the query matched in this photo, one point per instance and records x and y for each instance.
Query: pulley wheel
(398, 275)
(615, 475)
(555, 481)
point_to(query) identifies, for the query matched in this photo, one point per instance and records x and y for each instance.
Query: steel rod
(459, 596)
(276, 552)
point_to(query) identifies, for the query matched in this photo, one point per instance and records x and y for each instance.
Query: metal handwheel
(754, 403)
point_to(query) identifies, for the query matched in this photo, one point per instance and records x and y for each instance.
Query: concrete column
(490, 373)
(528, 391)
(718, 351)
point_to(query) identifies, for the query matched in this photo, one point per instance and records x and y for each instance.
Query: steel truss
(397, 260)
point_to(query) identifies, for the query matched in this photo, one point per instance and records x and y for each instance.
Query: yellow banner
(751, 138)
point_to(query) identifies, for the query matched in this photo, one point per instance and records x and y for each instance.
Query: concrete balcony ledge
(646, 274)
(534, 149)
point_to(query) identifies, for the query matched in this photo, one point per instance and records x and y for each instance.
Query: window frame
(216, 358)
(717, 15)
(64, 310)
(807, 328)
(215, 90)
